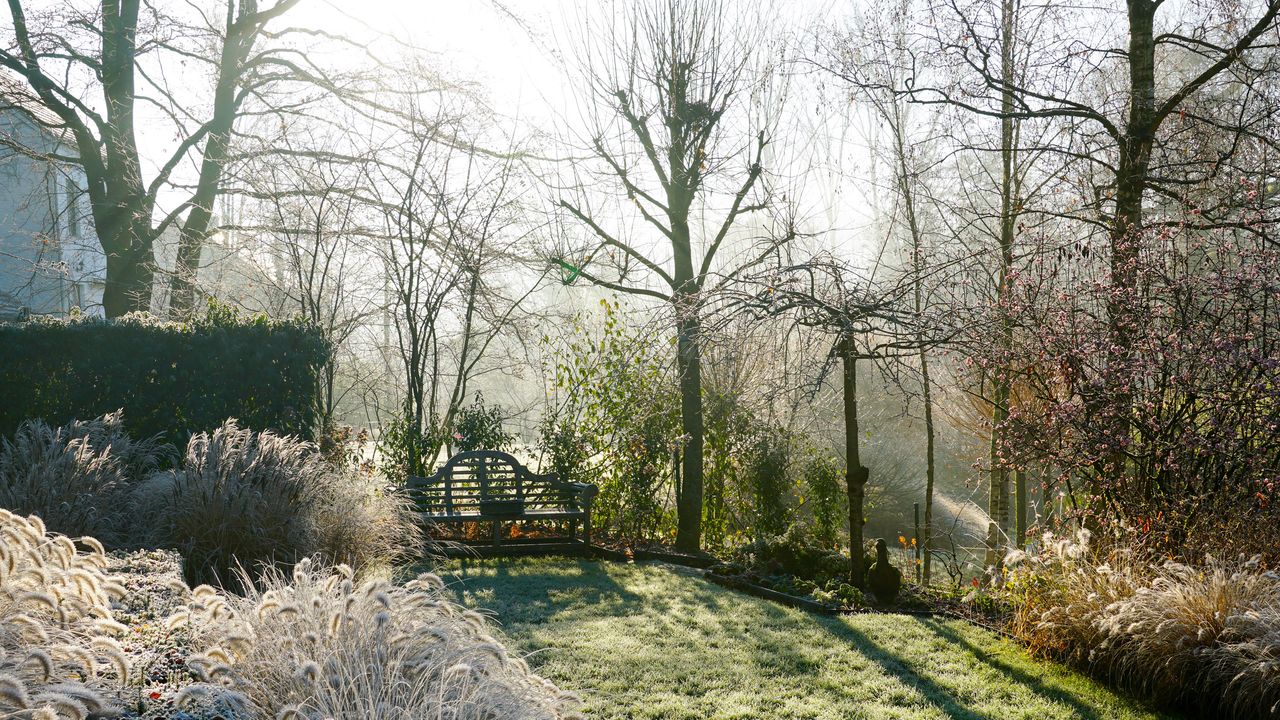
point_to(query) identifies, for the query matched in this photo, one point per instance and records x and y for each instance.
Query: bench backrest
(470, 478)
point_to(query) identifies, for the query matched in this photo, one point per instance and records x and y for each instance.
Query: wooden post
(915, 543)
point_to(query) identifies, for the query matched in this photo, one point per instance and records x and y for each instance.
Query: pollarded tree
(682, 102)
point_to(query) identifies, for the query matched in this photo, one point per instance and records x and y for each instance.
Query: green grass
(649, 641)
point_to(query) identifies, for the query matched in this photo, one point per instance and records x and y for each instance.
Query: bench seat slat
(526, 515)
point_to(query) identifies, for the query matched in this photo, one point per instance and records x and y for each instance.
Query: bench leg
(573, 529)
(497, 532)
(586, 529)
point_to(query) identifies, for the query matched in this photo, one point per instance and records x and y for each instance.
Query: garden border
(698, 562)
(796, 601)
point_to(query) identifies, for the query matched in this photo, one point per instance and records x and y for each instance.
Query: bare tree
(452, 235)
(320, 248)
(1140, 94)
(682, 108)
(67, 55)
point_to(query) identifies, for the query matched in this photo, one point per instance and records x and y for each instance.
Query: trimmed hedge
(171, 379)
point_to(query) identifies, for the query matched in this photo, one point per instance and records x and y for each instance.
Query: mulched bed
(655, 553)
(913, 600)
(760, 591)
(157, 657)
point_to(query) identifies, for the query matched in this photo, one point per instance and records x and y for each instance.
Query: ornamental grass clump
(77, 476)
(1061, 594)
(318, 645)
(247, 499)
(1206, 637)
(57, 652)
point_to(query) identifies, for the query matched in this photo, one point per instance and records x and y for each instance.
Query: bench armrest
(586, 493)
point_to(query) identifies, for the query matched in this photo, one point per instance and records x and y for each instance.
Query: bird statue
(883, 579)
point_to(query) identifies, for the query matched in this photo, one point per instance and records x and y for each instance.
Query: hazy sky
(467, 39)
(513, 48)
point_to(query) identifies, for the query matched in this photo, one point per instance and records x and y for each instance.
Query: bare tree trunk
(998, 486)
(1132, 171)
(241, 32)
(689, 366)
(930, 465)
(905, 175)
(1020, 516)
(130, 271)
(689, 502)
(122, 207)
(856, 475)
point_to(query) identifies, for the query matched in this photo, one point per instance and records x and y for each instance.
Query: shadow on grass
(544, 594)
(896, 666)
(780, 643)
(1035, 684)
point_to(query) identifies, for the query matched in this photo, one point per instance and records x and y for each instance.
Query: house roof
(18, 97)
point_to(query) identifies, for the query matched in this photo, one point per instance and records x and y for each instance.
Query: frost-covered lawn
(649, 641)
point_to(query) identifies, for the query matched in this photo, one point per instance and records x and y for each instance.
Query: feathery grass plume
(13, 692)
(81, 694)
(1205, 636)
(107, 625)
(93, 544)
(377, 651)
(42, 660)
(80, 659)
(192, 694)
(245, 499)
(54, 615)
(77, 477)
(62, 706)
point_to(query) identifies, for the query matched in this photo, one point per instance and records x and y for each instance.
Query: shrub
(796, 553)
(76, 476)
(321, 647)
(1205, 636)
(479, 427)
(769, 461)
(405, 450)
(1173, 438)
(245, 498)
(171, 379)
(794, 563)
(823, 478)
(55, 624)
(565, 450)
(615, 404)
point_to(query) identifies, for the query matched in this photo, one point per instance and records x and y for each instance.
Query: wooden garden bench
(491, 486)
